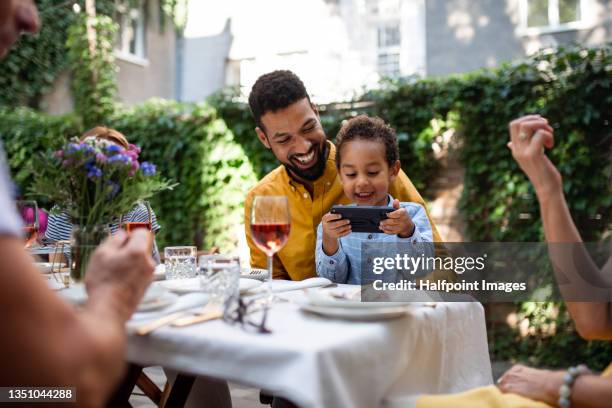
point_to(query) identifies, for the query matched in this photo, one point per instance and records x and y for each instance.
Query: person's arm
(334, 266)
(593, 320)
(45, 342)
(588, 391)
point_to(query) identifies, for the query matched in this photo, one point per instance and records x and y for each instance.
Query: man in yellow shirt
(288, 124)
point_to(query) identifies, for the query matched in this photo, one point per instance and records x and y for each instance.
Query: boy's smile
(364, 172)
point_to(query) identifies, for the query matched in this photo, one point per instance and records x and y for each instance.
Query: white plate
(325, 298)
(182, 286)
(191, 285)
(381, 313)
(155, 296)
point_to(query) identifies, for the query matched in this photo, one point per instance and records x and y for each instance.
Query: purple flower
(94, 172)
(73, 148)
(120, 158)
(59, 154)
(113, 148)
(66, 163)
(148, 169)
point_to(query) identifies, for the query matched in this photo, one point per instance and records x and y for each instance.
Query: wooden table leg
(180, 391)
(121, 396)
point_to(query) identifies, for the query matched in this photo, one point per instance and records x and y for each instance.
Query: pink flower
(133, 147)
(101, 158)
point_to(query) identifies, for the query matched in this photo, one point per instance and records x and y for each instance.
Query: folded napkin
(279, 285)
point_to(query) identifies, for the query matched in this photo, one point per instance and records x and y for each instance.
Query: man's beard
(315, 171)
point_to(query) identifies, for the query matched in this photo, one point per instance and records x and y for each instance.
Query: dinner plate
(190, 285)
(362, 314)
(155, 296)
(182, 286)
(346, 298)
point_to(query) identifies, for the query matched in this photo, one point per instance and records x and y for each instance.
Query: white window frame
(585, 22)
(122, 51)
(389, 50)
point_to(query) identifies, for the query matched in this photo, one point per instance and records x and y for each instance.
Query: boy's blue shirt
(345, 265)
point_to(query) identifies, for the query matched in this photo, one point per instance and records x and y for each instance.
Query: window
(131, 38)
(389, 64)
(552, 15)
(389, 40)
(388, 35)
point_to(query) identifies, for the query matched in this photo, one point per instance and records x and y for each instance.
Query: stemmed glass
(270, 225)
(28, 210)
(130, 226)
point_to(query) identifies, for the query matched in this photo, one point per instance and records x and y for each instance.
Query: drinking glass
(132, 225)
(270, 225)
(180, 262)
(220, 277)
(28, 210)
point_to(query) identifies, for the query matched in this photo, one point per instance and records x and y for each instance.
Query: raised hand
(529, 137)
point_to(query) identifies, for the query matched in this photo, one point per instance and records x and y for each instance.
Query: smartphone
(364, 218)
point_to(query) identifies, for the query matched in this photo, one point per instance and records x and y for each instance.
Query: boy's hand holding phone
(334, 227)
(398, 222)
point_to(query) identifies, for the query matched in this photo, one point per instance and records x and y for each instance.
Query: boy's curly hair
(273, 91)
(363, 127)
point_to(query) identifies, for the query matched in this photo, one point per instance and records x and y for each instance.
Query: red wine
(31, 233)
(131, 226)
(270, 238)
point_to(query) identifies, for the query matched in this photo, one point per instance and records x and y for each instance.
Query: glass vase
(85, 240)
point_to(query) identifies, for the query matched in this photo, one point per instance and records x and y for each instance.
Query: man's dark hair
(273, 91)
(363, 127)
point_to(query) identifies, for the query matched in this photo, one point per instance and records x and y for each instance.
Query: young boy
(367, 157)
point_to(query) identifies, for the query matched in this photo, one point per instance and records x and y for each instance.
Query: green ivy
(94, 85)
(31, 68)
(572, 88)
(189, 144)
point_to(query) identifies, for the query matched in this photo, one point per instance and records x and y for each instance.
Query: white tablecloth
(320, 362)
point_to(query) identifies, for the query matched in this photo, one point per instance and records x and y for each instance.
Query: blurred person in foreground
(288, 124)
(528, 387)
(44, 341)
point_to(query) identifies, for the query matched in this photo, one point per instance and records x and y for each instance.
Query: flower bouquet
(95, 181)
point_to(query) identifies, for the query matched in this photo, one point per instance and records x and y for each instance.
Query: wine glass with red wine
(29, 214)
(270, 225)
(130, 226)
